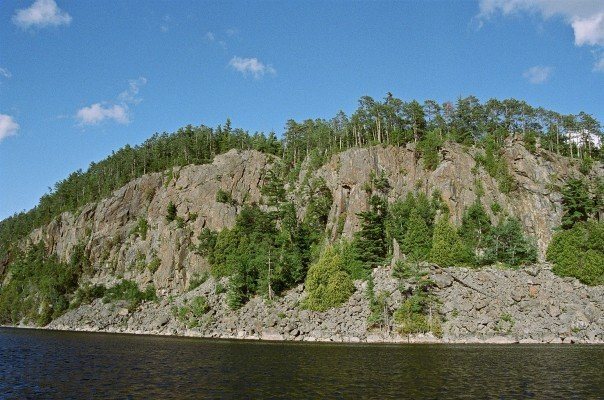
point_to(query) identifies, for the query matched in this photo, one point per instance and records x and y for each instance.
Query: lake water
(64, 365)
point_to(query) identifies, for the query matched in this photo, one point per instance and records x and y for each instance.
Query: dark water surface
(64, 365)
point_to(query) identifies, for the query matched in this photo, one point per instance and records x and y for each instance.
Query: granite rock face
(530, 305)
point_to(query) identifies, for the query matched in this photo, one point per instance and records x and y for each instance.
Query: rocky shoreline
(489, 305)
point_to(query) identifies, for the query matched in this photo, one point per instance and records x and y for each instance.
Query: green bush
(86, 294)
(327, 282)
(224, 197)
(418, 314)
(171, 212)
(198, 280)
(141, 228)
(129, 291)
(579, 252)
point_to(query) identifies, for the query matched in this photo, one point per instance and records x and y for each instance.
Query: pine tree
(417, 241)
(577, 203)
(475, 226)
(370, 242)
(447, 248)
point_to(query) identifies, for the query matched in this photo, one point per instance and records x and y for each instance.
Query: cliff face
(108, 229)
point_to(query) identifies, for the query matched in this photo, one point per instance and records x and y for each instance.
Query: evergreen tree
(447, 248)
(577, 203)
(417, 241)
(475, 226)
(506, 243)
(370, 240)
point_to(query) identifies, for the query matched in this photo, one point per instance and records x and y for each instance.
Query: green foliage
(207, 242)
(264, 253)
(224, 197)
(495, 164)
(506, 243)
(327, 282)
(577, 203)
(429, 148)
(86, 294)
(448, 250)
(399, 214)
(379, 313)
(128, 291)
(171, 212)
(198, 280)
(475, 226)
(530, 141)
(579, 252)
(40, 287)
(154, 265)
(418, 237)
(192, 312)
(370, 241)
(418, 314)
(141, 228)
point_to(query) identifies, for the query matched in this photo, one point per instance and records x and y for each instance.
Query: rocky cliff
(127, 236)
(117, 250)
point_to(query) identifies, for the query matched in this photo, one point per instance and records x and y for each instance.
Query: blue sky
(79, 79)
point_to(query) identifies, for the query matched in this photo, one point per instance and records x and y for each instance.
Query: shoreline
(269, 338)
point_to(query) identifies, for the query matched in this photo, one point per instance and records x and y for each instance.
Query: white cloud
(5, 73)
(97, 113)
(251, 66)
(231, 32)
(586, 17)
(209, 36)
(119, 113)
(8, 126)
(538, 74)
(589, 30)
(129, 95)
(41, 14)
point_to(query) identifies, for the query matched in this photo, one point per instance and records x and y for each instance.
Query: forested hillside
(290, 230)
(391, 121)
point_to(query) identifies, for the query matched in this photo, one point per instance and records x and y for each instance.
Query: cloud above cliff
(585, 17)
(118, 111)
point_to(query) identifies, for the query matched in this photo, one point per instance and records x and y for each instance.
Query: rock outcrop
(127, 236)
(490, 305)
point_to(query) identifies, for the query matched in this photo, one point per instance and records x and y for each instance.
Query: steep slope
(128, 236)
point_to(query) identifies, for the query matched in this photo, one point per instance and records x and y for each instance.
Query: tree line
(390, 121)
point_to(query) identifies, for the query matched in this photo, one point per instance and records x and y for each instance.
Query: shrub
(141, 228)
(418, 314)
(224, 197)
(327, 282)
(39, 287)
(154, 264)
(129, 291)
(171, 212)
(198, 280)
(86, 294)
(579, 252)
(417, 241)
